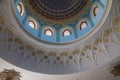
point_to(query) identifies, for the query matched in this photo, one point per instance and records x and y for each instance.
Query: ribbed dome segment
(57, 11)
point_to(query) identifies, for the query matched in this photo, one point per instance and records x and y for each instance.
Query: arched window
(67, 32)
(32, 23)
(20, 8)
(48, 32)
(95, 11)
(83, 25)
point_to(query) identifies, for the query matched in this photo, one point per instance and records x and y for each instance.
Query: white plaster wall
(99, 73)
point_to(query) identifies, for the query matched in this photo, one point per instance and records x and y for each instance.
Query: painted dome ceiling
(60, 21)
(56, 36)
(57, 11)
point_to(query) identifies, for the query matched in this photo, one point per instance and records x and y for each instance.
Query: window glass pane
(95, 11)
(48, 32)
(66, 32)
(20, 8)
(32, 24)
(83, 25)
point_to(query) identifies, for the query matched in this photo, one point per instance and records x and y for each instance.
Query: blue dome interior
(58, 28)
